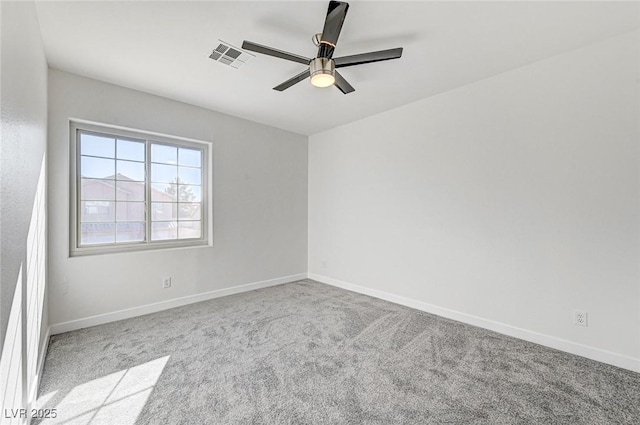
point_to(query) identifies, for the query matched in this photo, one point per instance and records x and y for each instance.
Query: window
(133, 190)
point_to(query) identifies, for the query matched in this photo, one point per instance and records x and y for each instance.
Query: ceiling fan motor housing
(322, 72)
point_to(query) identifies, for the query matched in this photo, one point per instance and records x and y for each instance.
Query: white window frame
(76, 126)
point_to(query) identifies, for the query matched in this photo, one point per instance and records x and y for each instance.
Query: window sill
(121, 249)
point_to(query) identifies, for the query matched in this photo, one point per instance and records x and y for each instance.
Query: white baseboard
(592, 353)
(33, 397)
(43, 354)
(100, 319)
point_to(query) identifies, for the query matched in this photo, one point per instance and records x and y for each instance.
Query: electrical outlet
(166, 282)
(580, 318)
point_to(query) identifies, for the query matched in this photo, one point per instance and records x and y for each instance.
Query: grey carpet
(308, 353)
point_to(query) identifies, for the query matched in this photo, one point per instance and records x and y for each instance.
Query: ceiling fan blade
(342, 84)
(333, 23)
(293, 80)
(382, 55)
(265, 50)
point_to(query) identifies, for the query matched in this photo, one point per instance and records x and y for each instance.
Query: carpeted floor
(308, 353)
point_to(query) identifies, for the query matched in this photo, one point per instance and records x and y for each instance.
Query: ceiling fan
(322, 68)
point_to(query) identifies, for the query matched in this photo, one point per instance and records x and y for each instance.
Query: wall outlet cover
(580, 318)
(166, 282)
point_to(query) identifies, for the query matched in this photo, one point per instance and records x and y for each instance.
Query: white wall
(259, 204)
(22, 207)
(514, 199)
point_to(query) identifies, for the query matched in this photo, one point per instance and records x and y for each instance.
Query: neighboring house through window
(133, 190)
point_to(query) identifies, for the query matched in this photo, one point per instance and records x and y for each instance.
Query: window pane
(97, 211)
(164, 173)
(128, 170)
(189, 211)
(190, 229)
(163, 230)
(91, 144)
(130, 232)
(97, 167)
(163, 211)
(161, 192)
(164, 154)
(190, 157)
(190, 193)
(189, 175)
(97, 233)
(129, 191)
(101, 190)
(130, 211)
(186, 193)
(128, 149)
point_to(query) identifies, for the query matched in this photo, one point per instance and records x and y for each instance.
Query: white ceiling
(163, 48)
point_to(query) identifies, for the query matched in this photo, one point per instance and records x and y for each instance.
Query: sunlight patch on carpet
(116, 398)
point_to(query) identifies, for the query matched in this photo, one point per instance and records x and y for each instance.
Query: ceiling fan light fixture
(323, 80)
(322, 72)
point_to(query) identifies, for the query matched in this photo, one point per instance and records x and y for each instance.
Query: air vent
(227, 54)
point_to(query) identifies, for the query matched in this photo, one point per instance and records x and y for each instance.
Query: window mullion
(115, 193)
(147, 182)
(78, 180)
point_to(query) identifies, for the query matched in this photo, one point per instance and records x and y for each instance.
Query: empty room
(320, 212)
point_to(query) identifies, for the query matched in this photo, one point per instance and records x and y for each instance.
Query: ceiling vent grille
(227, 54)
